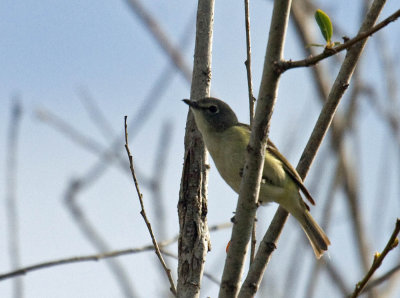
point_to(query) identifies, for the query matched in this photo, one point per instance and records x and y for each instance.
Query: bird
(226, 140)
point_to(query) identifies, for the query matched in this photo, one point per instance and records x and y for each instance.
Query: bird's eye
(213, 109)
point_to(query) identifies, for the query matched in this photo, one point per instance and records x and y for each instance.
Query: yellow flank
(230, 160)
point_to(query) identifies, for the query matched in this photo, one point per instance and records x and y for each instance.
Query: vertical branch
(252, 101)
(250, 185)
(192, 206)
(11, 189)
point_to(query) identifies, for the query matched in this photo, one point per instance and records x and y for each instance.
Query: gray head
(212, 114)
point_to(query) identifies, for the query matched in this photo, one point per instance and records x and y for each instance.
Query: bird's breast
(227, 150)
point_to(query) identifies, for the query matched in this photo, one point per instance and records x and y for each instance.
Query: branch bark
(250, 185)
(192, 207)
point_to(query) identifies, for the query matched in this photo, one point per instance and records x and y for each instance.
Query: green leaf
(324, 24)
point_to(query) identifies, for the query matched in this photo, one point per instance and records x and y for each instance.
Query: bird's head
(212, 114)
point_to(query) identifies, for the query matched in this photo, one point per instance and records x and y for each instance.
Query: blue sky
(52, 50)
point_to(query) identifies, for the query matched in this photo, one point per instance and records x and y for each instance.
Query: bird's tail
(317, 237)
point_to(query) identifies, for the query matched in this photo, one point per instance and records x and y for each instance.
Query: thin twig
(69, 131)
(160, 36)
(106, 155)
(285, 65)
(301, 13)
(335, 277)
(95, 114)
(252, 100)
(112, 153)
(91, 233)
(76, 186)
(95, 257)
(158, 175)
(11, 192)
(143, 213)
(106, 255)
(378, 259)
(376, 282)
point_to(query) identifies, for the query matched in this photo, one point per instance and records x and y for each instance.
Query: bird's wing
(290, 170)
(271, 148)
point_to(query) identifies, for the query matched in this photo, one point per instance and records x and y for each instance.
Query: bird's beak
(192, 103)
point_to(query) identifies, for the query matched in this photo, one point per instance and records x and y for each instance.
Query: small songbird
(226, 139)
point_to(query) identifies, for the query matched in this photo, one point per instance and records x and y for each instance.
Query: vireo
(226, 139)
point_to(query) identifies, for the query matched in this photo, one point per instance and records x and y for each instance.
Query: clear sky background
(52, 52)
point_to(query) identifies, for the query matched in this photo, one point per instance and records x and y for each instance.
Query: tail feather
(317, 237)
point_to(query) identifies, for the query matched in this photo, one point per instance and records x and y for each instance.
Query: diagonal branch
(161, 38)
(268, 244)
(362, 35)
(378, 259)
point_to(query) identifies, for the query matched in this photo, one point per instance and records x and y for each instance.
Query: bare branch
(94, 237)
(143, 213)
(268, 244)
(11, 192)
(378, 259)
(347, 45)
(172, 52)
(376, 282)
(95, 114)
(112, 153)
(301, 12)
(194, 242)
(106, 255)
(252, 101)
(339, 87)
(156, 181)
(79, 259)
(250, 185)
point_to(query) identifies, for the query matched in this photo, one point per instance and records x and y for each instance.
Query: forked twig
(143, 213)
